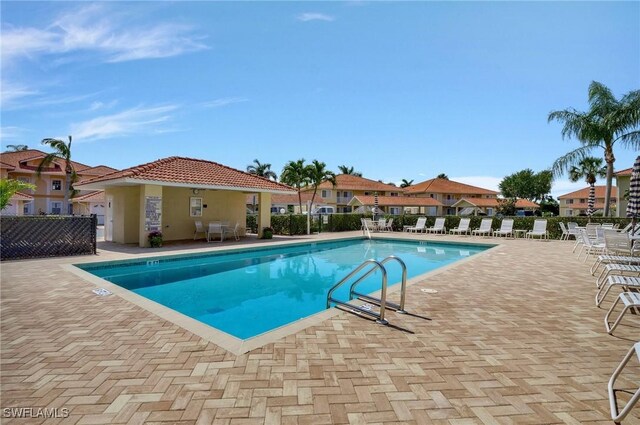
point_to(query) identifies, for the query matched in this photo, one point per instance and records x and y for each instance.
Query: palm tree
(406, 183)
(17, 148)
(317, 174)
(61, 151)
(442, 176)
(9, 187)
(262, 170)
(349, 170)
(589, 169)
(294, 174)
(607, 121)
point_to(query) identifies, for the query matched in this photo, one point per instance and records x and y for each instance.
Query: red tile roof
(15, 158)
(584, 193)
(493, 202)
(351, 182)
(405, 201)
(96, 196)
(626, 172)
(446, 186)
(19, 196)
(193, 173)
(5, 165)
(99, 170)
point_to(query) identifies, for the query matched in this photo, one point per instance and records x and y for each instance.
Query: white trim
(129, 181)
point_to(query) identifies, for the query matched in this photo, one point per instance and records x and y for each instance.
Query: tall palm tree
(317, 174)
(406, 183)
(62, 151)
(17, 148)
(262, 170)
(589, 169)
(349, 170)
(607, 121)
(295, 175)
(442, 176)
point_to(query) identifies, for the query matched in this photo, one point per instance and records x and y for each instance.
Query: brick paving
(514, 338)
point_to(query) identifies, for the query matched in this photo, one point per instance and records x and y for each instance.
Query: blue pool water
(253, 291)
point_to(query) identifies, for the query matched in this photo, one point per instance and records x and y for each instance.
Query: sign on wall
(153, 213)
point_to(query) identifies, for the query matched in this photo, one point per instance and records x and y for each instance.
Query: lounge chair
(617, 269)
(235, 231)
(506, 228)
(539, 229)
(619, 415)
(630, 300)
(485, 227)
(419, 227)
(614, 259)
(215, 228)
(463, 227)
(438, 226)
(624, 282)
(199, 229)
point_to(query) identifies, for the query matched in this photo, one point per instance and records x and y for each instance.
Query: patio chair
(565, 232)
(381, 224)
(388, 227)
(616, 243)
(215, 228)
(438, 226)
(199, 229)
(463, 227)
(419, 227)
(630, 300)
(619, 415)
(367, 225)
(588, 245)
(572, 228)
(506, 228)
(623, 282)
(617, 269)
(614, 259)
(235, 231)
(539, 229)
(485, 227)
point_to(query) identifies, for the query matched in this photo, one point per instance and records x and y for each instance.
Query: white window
(195, 207)
(56, 184)
(55, 207)
(325, 193)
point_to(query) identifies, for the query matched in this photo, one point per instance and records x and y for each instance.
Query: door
(108, 222)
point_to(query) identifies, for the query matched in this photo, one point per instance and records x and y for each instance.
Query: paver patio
(515, 337)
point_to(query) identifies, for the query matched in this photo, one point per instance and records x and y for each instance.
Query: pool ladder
(382, 301)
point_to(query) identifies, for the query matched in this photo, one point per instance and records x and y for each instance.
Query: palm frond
(46, 161)
(631, 140)
(563, 164)
(601, 99)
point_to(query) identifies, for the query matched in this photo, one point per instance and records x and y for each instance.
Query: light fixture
(195, 191)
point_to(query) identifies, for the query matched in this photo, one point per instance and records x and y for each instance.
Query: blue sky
(402, 90)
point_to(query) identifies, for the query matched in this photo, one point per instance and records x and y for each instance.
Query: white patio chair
(619, 415)
(589, 246)
(199, 229)
(572, 228)
(381, 224)
(368, 225)
(463, 227)
(539, 229)
(215, 228)
(565, 232)
(438, 226)
(630, 300)
(506, 228)
(485, 227)
(388, 227)
(419, 227)
(235, 231)
(617, 269)
(623, 282)
(616, 243)
(604, 259)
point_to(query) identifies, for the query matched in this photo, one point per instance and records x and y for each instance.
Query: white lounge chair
(199, 229)
(463, 227)
(438, 226)
(623, 282)
(630, 300)
(506, 228)
(619, 415)
(539, 229)
(419, 227)
(214, 229)
(604, 259)
(485, 227)
(617, 269)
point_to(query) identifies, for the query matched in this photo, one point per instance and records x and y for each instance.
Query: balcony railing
(343, 199)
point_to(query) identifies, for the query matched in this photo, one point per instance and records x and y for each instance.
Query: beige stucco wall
(177, 224)
(126, 213)
(623, 183)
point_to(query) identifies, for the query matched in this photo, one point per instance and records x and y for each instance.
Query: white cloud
(224, 101)
(11, 92)
(102, 105)
(313, 16)
(132, 121)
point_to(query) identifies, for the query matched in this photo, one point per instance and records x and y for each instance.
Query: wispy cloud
(12, 92)
(224, 101)
(102, 105)
(314, 16)
(131, 121)
(93, 29)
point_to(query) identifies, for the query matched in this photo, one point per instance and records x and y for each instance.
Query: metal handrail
(403, 286)
(376, 264)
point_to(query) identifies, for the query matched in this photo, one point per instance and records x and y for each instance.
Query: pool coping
(239, 346)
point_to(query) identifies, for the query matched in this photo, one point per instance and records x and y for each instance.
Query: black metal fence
(46, 236)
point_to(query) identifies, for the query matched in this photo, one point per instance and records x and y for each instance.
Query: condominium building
(576, 203)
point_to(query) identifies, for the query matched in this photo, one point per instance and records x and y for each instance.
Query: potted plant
(155, 239)
(267, 233)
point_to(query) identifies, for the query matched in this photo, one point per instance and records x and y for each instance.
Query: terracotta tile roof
(192, 172)
(351, 182)
(405, 201)
(19, 196)
(446, 186)
(99, 170)
(15, 158)
(7, 166)
(493, 202)
(626, 172)
(96, 196)
(584, 193)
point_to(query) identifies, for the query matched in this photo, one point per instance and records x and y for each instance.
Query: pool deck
(513, 337)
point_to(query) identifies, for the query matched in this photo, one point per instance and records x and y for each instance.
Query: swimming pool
(249, 292)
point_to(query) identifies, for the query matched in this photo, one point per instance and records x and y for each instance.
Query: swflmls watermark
(35, 412)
